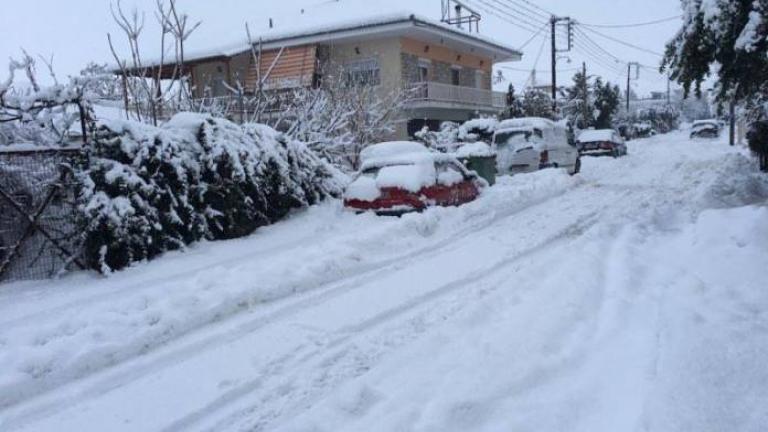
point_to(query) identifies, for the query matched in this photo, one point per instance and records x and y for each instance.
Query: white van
(530, 144)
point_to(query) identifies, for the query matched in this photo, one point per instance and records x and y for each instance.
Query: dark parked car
(606, 142)
(706, 129)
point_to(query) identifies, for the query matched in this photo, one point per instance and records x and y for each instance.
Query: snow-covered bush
(443, 139)
(148, 190)
(141, 194)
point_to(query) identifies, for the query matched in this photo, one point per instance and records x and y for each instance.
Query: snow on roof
(526, 122)
(334, 18)
(596, 135)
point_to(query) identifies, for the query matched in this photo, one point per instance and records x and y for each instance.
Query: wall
(443, 59)
(387, 51)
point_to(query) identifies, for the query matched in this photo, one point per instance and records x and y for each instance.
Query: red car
(399, 183)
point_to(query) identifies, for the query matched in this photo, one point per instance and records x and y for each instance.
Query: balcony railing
(438, 92)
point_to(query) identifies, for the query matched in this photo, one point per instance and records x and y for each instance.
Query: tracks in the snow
(342, 355)
(146, 361)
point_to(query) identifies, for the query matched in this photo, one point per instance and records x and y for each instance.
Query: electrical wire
(537, 34)
(506, 17)
(522, 10)
(619, 41)
(643, 24)
(535, 6)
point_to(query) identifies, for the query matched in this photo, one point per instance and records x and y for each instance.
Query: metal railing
(439, 92)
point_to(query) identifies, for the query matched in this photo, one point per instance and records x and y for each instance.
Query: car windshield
(513, 137)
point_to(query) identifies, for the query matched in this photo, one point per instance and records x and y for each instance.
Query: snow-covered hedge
(148, 190)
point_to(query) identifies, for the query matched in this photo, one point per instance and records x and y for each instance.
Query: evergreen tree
(733, 35)
(537, 103)
(579, 109)
(607, 100)
(514, 107)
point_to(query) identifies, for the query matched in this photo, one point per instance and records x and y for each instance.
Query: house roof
(312, 31)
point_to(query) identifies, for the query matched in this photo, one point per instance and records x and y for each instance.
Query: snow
(363, 188)
(526, 122)
(630, 297)
(392, 149)
(467, 129)
(449, 177)
(331, 18)
(409, 177)
(596, 135)
(749, 37)
(477, 149)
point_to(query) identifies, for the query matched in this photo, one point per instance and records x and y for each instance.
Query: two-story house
(450, 68)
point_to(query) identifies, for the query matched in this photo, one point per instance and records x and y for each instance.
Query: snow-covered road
(629, 298)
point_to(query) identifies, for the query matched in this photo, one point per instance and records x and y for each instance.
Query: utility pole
(629, 79)
(629, 71)
(553, 22)
(732, 109)
(669, 90)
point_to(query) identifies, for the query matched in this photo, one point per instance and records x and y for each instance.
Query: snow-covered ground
(630, 297)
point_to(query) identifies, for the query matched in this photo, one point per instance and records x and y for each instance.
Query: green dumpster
(479, 157)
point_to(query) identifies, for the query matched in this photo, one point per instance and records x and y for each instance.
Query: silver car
(530, 144)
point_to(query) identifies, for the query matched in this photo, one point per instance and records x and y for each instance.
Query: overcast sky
(74, 31)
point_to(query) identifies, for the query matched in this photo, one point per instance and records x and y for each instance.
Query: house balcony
(437, 95)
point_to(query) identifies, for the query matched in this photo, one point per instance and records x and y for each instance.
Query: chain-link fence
(39, 238)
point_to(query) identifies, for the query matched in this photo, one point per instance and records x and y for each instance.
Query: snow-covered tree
(607, 100)
(444, 139)
(513, 105)
(537, 103)
(727, 39)
(51, 115)
(579, 108)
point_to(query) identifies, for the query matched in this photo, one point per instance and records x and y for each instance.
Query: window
(362, 72)
(424, 66)
(456, 76)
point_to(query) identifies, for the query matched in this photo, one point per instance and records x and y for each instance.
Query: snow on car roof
(392, 148)
(526, 122)
(707, 121)
(596, 135)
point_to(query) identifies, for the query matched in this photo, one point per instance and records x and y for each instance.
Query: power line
(523, 10)
(596, 46)
(623, 42)
(643, 24)
(487, 7)
(533, 37)
(538, 7)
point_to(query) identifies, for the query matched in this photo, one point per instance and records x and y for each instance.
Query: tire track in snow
(340, 347)
(335, 288)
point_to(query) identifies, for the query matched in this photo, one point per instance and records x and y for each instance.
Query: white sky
(74, 31)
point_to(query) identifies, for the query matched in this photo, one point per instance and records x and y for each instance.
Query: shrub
(148, 190)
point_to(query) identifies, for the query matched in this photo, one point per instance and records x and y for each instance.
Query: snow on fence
(38, 234)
